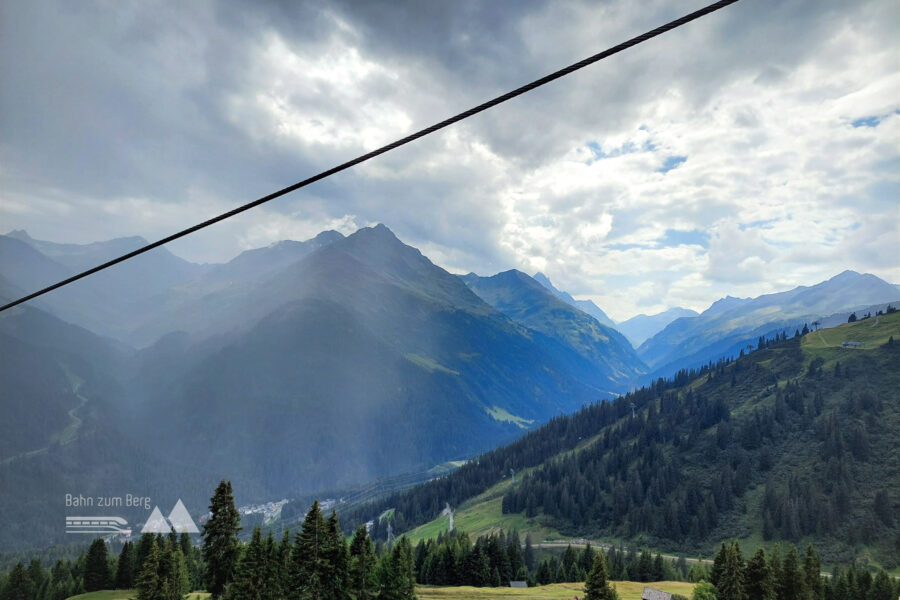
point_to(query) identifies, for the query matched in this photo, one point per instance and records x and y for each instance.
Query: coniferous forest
(318, 562)
(777, 444)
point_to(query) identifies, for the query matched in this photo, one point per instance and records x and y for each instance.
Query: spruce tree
(718, 565)
(362, 565)
(309, 567)
(250, 578)
(336, 559)
(528, 554)
(142, 551)
(597, 585)
(791, 586)
(220, 544)
(125, 568)
(19, 585)
(38, 578)
(283, 572)
(149, 586)
(731, 578)
(760, 584)
(96, 567)
(404, 570)
(881, 588)
(812, 576)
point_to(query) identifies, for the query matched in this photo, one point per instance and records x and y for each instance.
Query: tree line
(318, 563)
(789, 577)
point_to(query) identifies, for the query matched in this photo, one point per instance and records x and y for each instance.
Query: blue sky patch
(872, 121)
(674, 237)
(597, 152)
(670, 163)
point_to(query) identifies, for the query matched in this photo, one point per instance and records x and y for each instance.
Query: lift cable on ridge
(410, 138)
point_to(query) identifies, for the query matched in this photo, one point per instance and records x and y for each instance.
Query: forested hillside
(790, 442)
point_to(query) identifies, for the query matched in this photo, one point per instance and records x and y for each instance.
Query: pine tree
(718, 565)
(19, 585)
(309, 567)
(791, 586)
(220, 544)
(250, 581)
(335, 552)
(597, 585)
(149, 586)
(96, 567)
(529, 553)
(283, 568)
(759, 582)
(812, 576)
(125, 568)
(731, 579)
(362, 565)
(142, 551)
(881, 588)
(38, 577)
(586, 560)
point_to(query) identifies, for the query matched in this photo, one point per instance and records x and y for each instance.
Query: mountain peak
(19, 234)
(329, 236)
(543, 280)
(378, 232)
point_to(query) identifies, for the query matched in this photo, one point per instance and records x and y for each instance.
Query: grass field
(628, 590)
(870, 333)
(125, 595)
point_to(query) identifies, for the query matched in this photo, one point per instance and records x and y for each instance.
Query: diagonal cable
(410, 138)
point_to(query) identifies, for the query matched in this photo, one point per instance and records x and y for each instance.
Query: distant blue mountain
(730, 324)
(586, 306)
(642, 327)
(614, 366)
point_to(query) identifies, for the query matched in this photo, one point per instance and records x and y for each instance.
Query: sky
(751, 151)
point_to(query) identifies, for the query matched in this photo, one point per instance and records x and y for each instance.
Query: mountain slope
(362, 359)
(613, 364)
(778, 445)
(730, 324)
(105, 302)
(62, 431)
(585, 306)
(642, 327)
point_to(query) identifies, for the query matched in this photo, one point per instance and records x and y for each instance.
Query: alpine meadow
(342, 300)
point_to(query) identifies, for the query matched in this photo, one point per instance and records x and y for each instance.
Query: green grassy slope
(803, 447)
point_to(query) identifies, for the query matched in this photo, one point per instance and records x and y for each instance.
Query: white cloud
(778, 188)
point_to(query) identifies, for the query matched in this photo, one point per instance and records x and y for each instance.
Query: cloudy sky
(751, 151)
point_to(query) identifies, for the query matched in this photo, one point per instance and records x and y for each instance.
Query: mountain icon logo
(179, 520)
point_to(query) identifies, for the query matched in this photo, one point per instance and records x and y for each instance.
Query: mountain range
(293, 368)
(640, 328)
(304, 366)
(781, 444)
(730, 324)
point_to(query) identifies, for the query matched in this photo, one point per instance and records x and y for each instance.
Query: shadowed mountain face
(612, 365)
(294, 368)
(360, 360)
(730, 324)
